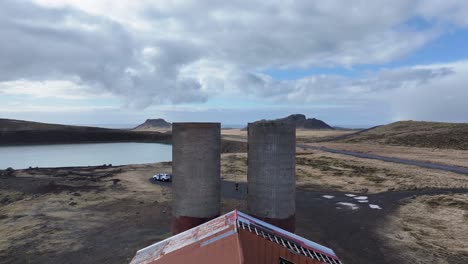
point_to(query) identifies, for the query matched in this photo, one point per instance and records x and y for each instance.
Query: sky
(350, 63)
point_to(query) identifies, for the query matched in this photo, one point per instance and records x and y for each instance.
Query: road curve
(423, 164)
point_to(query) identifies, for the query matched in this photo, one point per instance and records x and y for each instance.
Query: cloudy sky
(350, 63)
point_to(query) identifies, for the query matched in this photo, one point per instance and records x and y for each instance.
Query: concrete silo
(271, 172)
(196, 174)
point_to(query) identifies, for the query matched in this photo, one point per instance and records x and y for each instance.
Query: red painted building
(235, 238)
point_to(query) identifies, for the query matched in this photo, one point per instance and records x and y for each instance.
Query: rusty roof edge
(212, 227)
(143, 254)
(311, 244)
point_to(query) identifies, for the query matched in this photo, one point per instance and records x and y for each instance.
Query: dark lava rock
(154, 123)
(300, 121)
(5, 200)
(9, 172)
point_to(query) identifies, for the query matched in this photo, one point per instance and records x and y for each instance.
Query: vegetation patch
(416, 134)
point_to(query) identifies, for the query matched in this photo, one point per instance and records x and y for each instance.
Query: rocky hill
(151, 124)
(304, 123)
(19, 132)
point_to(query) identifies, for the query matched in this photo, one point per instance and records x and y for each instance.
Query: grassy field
(302, 135)
(434, 228)
(317, 170)
(416, 134)
(104, 214)
(453, 157)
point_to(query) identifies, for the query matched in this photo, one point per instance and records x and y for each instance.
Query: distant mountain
(150, 124)
(20, 132)
(306, 123)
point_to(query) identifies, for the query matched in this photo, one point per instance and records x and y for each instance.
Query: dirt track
(429, 165)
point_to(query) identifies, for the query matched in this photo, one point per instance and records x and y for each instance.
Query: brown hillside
(416, 134)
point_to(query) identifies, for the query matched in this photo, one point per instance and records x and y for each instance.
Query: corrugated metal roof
(217, 231)
(196, 234)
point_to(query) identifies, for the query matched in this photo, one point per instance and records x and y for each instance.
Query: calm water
(21, 157)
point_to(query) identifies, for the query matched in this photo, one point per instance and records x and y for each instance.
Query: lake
(66, 155)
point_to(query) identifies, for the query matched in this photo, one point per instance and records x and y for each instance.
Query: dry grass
(341, 172)
(234, 167)
(302, 135)
(433, 228)
(440, 156)
(417, 134)
(317, 170)
(307, 136)
(234, 134)
(55, 219)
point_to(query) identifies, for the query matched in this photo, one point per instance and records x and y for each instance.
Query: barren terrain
(104, 214)
(302, 135)
(318, 170)
(84, 214)
(453, 157)
(415, 134)
(429, 229)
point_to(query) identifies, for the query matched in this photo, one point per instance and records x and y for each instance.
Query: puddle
(349, 205)
(361, 198)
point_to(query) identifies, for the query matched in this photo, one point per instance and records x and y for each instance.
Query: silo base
(183, 223)
(288, 224)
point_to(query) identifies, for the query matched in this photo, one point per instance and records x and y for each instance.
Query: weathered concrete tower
(196, 168)
(271, 173)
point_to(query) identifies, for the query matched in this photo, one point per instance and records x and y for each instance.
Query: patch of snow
(350, 195)
(349, 205)
(328, 196)
(363, 201)
(374, 206)
(361, 198)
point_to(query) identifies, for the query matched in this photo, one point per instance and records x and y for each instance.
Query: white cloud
(30, 108)
(62, 89)
(174, 52)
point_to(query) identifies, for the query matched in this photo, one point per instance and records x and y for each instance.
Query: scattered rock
(115, 181)
(73, 203)
(76, 194)
(9, 172)
(5, 200)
